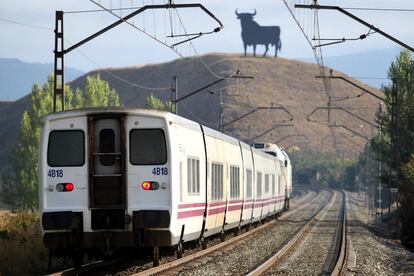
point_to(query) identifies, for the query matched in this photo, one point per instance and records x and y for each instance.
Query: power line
(89, 58)
(118, 77)
(198, 55)
(26, 25)
(379, 9)
(197, 117)
(90, 11)
(135, 27)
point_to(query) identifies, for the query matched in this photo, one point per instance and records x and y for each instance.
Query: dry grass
(21, 247)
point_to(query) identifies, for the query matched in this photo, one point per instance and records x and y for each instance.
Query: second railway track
(318, 248)
(243, 253)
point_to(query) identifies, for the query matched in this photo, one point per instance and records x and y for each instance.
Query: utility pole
(380, 165)
(59, 81)
(174, 92)
(397, 155)
(394, 148)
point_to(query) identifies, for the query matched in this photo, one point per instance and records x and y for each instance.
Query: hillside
(283, 82)
(288, 83)
(17, 77)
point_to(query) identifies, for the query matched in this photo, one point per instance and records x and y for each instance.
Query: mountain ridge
(277, 82)
(17, 77)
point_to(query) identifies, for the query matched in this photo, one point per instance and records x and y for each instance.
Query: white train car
(119, 178)
(284, 176)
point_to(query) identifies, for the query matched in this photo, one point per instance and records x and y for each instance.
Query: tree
(25, 152)
(397, 145)
(407, 210)
(97, 93)
(156, 103)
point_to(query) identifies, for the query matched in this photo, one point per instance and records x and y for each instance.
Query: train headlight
(150, 185)
(65, 187)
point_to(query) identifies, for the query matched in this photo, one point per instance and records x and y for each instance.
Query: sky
(126, 46)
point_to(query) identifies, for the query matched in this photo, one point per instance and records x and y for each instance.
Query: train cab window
(249, 182)
(267, 183)
(234, 182)
(147, 147)
(273, 184)
(216, 181)
(107, 145)
(259, 185)
(193, 176)
(66, 148)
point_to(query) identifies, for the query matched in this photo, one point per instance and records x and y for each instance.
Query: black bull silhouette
(253, 33)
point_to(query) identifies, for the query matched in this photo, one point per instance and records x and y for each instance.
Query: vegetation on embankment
(21, 247)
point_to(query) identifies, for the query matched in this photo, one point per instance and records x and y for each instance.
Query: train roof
(102, 110)
(151, 113)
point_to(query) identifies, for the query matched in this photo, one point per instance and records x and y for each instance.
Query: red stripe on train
(216, 211)
(217, 203)
(235, 207)
(188, 214)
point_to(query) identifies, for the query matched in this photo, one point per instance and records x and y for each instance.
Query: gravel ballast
(243, 257)
(316, 252)
(370, 253)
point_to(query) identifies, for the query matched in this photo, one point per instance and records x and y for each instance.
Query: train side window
(266, 183)
(249, 183)
(216, 181)
(147, 147)
(259, 185)
(234, 182)
(66, 148)
(278, 184)
(273, 184)
(193, 176)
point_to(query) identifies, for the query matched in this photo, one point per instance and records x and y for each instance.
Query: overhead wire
(100, 10)
(198, 55)
(24, 24)
(89, 58)
(378, 9)
(197, 117)
(141, 30)
(118, 77)
(154, 37)
(135, 27)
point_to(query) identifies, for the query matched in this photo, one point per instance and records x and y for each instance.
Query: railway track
(338, 256)
(201, 257)
(196, 257)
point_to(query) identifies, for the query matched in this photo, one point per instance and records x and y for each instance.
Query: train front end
(105, 181)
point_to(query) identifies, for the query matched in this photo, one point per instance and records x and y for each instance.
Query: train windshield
(147, 147)
(66, 148)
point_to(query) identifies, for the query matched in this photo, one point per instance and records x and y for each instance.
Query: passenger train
(119, 178)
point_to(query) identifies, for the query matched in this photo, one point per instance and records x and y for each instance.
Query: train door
(107, 187)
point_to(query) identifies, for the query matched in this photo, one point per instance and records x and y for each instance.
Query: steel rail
(295, 241)
(340, 264)
(185, 261)
(84, 268)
